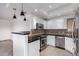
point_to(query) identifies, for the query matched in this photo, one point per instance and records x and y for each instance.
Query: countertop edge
(22, 33)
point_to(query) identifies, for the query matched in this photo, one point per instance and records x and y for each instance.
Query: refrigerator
(75, 33)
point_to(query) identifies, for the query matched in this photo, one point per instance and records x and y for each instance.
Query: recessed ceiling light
(50, 6)
(36, 10)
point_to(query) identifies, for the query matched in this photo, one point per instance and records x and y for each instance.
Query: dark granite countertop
(60, 35)
(22, 32)
(30, 38)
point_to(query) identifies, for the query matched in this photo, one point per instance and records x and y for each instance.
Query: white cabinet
(59, 23)
(26, 46)
(21, 47)
(18, 44)
(51, 40)
(35, 20)
(69, 44)
(34, 48)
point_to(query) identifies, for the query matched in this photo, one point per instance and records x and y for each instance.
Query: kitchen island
(20, 43)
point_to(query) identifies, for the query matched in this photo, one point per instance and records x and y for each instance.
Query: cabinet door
(66, 43)
(51, 40)
(34, 48)
(18, 44)
(69, 44)
(26, 46)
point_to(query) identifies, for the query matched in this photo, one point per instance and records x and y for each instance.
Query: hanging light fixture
(24, 19)
(14, 16)
(22, 12)
(24, 16)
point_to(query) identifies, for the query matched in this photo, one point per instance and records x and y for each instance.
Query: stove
(43, 42)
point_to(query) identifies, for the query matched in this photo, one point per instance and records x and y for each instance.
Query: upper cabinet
(36, 20)
(70, 24)
(59, 23)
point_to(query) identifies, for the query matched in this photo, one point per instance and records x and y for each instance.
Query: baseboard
(56, 47)
(60, 47)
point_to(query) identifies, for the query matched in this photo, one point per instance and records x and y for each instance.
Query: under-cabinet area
(39, 30)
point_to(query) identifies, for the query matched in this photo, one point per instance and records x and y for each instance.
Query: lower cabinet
(51, 40)
(18, 44)
(69, 44)
(34, 48)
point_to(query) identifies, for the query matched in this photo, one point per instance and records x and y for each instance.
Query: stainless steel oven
(43, 42)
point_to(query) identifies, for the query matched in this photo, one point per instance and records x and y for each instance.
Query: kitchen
(49, 29)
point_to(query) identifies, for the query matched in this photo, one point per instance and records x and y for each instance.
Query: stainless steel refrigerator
(75, 33)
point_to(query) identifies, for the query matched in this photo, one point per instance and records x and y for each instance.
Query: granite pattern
(52, 32)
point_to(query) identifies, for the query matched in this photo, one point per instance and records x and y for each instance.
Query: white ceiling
(42, 10)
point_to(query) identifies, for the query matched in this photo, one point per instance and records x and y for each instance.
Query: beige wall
(5, 30)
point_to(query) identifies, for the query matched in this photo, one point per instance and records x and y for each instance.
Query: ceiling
(42, 10)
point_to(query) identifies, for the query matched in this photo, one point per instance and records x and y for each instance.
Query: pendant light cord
(22, 6)
(14, 10)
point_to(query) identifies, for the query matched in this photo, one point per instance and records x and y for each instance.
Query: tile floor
(6, 48)
(52, 51)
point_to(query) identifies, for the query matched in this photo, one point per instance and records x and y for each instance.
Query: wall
(51, 40)
(20, 25)
(5, 31)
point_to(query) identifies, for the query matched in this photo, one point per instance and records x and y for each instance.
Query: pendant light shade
(22, 12)
(14, 16)
(24, 19)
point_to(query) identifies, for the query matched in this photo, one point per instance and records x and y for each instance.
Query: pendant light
(24, 19)
(25, 16)
(14, 16)
(22, 12)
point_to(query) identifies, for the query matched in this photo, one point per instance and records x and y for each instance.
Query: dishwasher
(60, 42)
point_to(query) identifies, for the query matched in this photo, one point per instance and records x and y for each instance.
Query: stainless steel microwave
(39, 26)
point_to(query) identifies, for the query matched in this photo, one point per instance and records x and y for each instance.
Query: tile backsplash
(46, 31)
